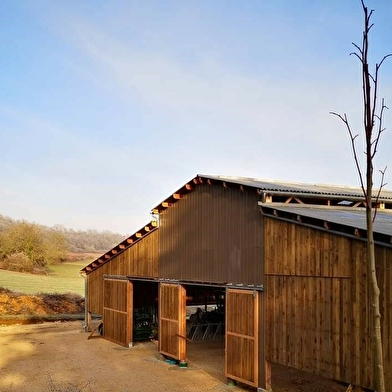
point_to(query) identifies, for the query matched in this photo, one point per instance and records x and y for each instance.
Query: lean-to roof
(346, 220)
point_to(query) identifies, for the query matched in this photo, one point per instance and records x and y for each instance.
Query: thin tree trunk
(378, 366)
(370, 117)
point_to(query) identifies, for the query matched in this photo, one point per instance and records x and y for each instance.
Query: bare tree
(373, 113)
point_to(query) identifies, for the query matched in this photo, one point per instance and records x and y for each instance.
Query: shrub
(19, 262)
(27, 247)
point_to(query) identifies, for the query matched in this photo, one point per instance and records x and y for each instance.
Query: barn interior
(205, 312)
(205, 348)
(205, 322)
(145, 310)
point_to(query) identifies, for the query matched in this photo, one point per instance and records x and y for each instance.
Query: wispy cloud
(143, 109)
(225, 109)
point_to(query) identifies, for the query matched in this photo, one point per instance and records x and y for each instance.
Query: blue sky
(106, 107)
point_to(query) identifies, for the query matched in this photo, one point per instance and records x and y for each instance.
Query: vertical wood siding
(139, 260)
(117, 311)
(317, 304)
(242, 336)
(212, 235)
(172, 321)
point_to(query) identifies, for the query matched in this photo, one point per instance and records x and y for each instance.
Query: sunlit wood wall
(317, 302)
(139, 260)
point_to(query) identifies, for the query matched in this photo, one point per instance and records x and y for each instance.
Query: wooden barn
(284, 263)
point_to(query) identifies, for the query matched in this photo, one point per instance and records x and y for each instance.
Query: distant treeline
(77, 241)
(29, 247)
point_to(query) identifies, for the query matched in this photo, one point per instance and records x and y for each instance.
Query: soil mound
(18, 304)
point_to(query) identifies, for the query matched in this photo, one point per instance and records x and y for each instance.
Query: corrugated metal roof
(296, 187)
(347, 216)
(276, 188)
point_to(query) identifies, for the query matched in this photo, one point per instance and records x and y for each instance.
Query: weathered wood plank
(172, 320)
(318, 302)
(242, 336)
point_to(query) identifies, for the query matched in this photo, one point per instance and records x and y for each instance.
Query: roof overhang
(275, 191)
(121, 247)
(342, 220)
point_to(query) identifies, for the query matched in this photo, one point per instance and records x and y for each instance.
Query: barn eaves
(128, 242)
(281, 192)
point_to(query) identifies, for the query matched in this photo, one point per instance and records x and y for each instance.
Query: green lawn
(64, 278)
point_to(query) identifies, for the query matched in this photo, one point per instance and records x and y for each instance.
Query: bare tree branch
(372, 77)
(383, 59)
(359, 49)
(382, 185)
(356, 55)
(380, 128)
(375, 81)
(354, 150)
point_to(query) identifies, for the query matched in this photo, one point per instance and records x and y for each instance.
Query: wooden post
(264, 382)
(88, 323)
(130, 314)
(87, 313)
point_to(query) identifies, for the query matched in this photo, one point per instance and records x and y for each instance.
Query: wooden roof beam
(114, 251)
(130, 241)
(268, 198)
(188, 187)
(138, 235)
(166, 204)
(177, 196)
(107, 256)
(121, 246)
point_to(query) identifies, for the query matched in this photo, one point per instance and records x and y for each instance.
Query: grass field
(64, 278)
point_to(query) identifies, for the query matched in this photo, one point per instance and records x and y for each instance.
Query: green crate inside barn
(144, 326)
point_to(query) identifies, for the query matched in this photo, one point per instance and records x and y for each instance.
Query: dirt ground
(57, 357)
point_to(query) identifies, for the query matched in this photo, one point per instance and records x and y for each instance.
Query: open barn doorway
(145, 310)
(205, 329)
(130, 310)
(223, 324)
(205, 313)
(190, 317)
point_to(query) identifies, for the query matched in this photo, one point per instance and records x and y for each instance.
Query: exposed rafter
(121, 247)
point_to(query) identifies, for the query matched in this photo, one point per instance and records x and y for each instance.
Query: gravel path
(57, 357)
